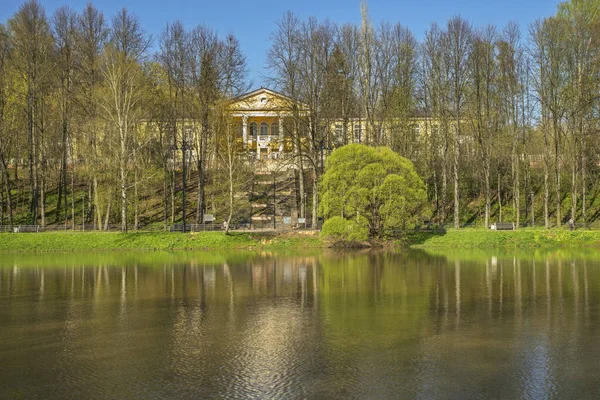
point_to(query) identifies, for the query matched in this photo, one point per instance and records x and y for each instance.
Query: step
(262, 218)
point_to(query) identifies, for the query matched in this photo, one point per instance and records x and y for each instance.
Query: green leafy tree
(373, 186)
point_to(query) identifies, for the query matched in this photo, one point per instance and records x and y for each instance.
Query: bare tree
(63, 22)
(124, 90)
(283, 60)
(91, 37)
(459, 41)
(32, 43)
(6, 142)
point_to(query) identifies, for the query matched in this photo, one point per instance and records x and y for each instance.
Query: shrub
(377, 185)
(340, 231)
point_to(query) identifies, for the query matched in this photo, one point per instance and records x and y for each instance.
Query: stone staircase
(274, 189)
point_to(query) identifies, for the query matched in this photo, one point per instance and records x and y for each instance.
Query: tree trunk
(515, 186)
(456, 182)
(574, 189)
(73, 198)
(546, 193)
(90, 205)
(1, 203)
(583, 191)
(123, 175)
(7, 187)
(136, 219)
(488, 201)
(43, 198)
(231, 193)
(499, 199)
(108, 205)
(183, 184)
(165, 201)
(557, 188)
(98, 219)
(172, 184)
(582, 160)
(315, 205)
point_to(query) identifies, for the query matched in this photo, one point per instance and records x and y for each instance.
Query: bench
(503, 226)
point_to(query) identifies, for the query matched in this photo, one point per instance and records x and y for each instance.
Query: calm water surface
(349, 326)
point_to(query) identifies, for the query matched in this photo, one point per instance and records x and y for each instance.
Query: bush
(340, 230)
(375, 184)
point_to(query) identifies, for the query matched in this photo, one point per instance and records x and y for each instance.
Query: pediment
(261, 99)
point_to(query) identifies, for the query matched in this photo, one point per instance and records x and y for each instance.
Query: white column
(280, 136)
(245, 130)
(257, 133)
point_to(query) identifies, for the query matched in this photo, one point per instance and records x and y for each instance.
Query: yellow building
(269, 122)
(266, 119)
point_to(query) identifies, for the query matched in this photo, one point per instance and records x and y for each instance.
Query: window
(357, 133)
(338, 130)
(264, 130)
(274, 129)
(416, 130)
(253, 129)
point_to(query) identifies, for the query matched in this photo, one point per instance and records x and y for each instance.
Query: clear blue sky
(253, 21)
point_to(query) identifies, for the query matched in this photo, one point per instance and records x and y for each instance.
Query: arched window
(264, 129)
(274, 129)
(253, 129)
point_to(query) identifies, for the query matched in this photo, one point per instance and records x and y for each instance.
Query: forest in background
(512, 115)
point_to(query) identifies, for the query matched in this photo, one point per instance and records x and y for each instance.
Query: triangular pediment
(261, 99)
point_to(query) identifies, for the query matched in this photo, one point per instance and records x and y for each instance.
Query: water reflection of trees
(259, 318)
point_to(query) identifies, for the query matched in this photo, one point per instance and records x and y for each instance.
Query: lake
(320, 325)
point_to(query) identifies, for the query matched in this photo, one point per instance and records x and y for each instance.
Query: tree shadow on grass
(420, 236)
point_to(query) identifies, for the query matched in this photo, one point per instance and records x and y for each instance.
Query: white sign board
(301, 220)
(287, 220)
(209, 218)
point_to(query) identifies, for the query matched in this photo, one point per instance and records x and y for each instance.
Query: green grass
(284, 242)
(485, 238)
(87, 241)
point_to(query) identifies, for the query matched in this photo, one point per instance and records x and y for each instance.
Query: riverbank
(99, 241)
(486, 238)
(297, 240)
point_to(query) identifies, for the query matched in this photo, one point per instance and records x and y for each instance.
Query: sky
(252, 22)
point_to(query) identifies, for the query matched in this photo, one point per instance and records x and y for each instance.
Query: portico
(266, 123)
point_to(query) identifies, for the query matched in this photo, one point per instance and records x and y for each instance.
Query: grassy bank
(90, 241)
(485, 238)
(455, 239)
